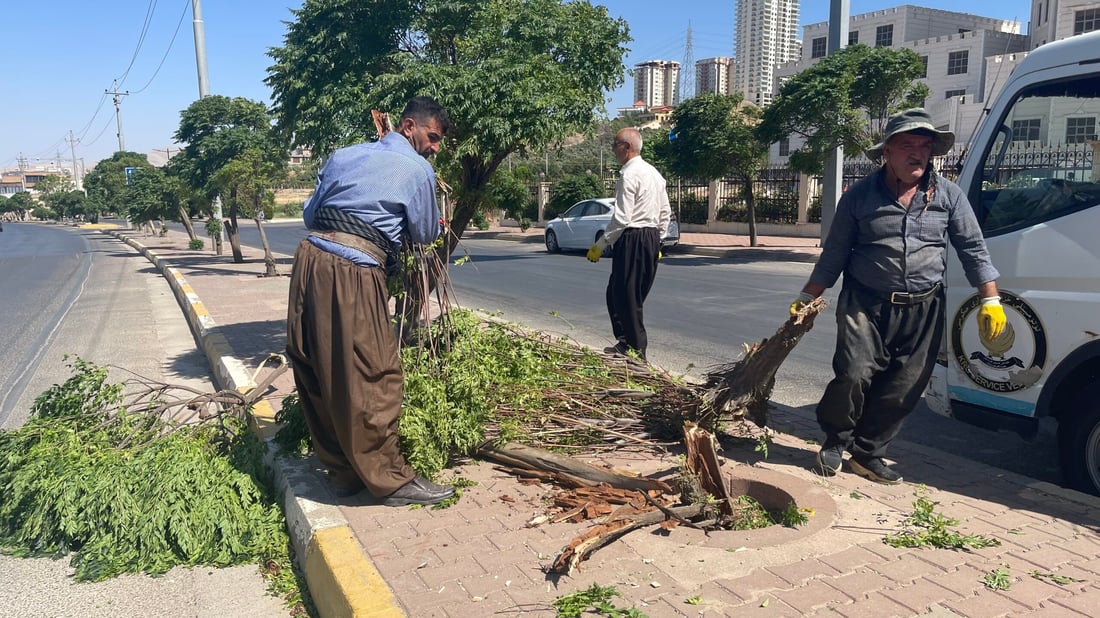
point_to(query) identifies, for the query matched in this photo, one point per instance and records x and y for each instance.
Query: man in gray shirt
(889, 240)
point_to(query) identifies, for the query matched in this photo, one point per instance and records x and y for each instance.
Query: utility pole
(118, 113)
(204, 85)
(72, 148)
(200, 48)
(834, 168)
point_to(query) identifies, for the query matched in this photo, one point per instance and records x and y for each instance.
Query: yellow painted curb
(343, 582)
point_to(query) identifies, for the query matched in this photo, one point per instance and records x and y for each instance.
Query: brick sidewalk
(478, 558)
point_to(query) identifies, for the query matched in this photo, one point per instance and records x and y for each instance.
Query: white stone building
(968, 59)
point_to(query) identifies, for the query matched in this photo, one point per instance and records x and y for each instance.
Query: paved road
(699, 313)
(69, 291)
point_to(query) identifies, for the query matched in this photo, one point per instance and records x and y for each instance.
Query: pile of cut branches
(139, 476)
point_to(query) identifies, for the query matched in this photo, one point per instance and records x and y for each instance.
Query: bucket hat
(916, 119)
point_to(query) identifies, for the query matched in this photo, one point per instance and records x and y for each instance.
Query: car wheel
(607, 249)
(552, 242)
(1079, 441)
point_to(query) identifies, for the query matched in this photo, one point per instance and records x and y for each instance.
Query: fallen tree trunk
(743, 388)
(565, 470)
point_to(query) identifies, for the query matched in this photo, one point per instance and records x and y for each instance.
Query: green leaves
(125, 492)
(926, 528)
(715, 137)
(843, 100)
(514, 76)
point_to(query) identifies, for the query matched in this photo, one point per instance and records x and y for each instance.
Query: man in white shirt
(638, 223)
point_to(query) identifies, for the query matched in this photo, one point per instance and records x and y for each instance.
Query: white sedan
(584, 223)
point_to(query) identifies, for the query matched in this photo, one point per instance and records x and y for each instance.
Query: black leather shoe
(419, 491)
(619, 349)
(830, 458)
(875, 469)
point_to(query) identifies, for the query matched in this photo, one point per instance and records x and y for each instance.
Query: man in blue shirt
(369, 199)
(889, 240)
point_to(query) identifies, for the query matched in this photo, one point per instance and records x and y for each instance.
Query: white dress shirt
(640, 201)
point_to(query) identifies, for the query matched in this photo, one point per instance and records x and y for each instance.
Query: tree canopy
(843, 100)
(514, 76)
(217, 130)
(106, 183)
(714, 136)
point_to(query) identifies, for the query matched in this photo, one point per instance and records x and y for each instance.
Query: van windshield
(1043, 164)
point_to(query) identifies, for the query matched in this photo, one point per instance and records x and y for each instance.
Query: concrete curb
(342, 580)
(785, 254)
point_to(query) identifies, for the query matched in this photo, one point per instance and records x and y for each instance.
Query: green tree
(509, 193)
(106, 183)
(515, 76)
(218, 130)
(715, 137)
(148, 197)
(572, 189)
(19, 204)
(51, 188)
(843, 100)
(246, 180)
(70, 203)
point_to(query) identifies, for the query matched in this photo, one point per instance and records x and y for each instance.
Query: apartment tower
(764, 36)
(657, 83)
(712, 75)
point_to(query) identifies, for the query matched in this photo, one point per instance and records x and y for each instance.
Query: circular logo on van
(1010, 361)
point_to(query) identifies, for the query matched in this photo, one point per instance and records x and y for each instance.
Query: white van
(1032, 177)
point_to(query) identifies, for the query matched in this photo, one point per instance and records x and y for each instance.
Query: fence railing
(776, 189)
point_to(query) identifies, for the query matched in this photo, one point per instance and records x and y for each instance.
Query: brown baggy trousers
(346, 367)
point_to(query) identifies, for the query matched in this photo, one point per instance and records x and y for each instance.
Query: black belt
(902, 298)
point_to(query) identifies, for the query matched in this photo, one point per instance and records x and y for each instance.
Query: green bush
(693, 211)
(507, 192)
(290, 210)
(196, 244)
(572, 189)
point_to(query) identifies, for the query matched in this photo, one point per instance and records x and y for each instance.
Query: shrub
(196, 244)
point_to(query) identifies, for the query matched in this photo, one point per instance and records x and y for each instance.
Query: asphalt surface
(79, 292)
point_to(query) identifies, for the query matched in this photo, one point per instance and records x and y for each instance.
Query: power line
(166, 52)
(141, 39)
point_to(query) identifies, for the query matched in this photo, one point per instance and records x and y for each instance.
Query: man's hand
(803, 299)
(660, 254)
(594, 253)
(991, 318)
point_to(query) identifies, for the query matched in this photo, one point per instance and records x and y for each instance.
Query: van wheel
(1079, 441)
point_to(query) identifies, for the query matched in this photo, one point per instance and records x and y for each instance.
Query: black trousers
(884, 357)
(633, 268)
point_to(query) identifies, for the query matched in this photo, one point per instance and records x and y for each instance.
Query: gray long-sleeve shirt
(889, 248)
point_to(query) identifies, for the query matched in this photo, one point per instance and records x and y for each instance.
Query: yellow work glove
(660, 254)
(991, 318)
(803, 299)
(594, 253)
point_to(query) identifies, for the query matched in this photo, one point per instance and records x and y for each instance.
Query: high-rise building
(764, 36)
(712, 75)
(657, 83)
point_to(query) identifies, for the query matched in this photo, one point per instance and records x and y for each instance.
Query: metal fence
(776, 188)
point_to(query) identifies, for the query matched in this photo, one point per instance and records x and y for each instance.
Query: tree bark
(742, 388)
(564, 469)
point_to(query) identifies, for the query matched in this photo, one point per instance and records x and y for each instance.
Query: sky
(62, 58)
